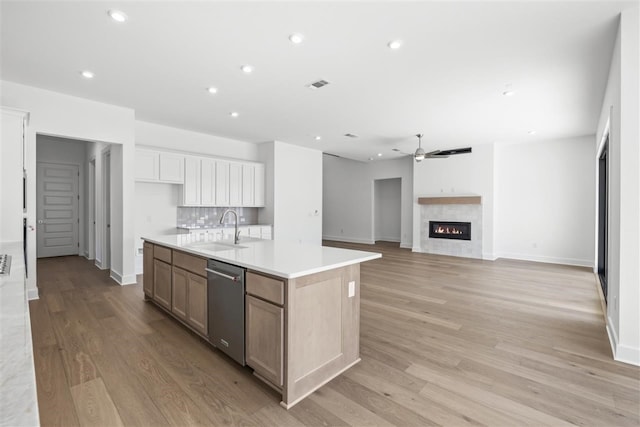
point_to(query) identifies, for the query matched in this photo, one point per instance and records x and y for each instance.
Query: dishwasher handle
(226, 276)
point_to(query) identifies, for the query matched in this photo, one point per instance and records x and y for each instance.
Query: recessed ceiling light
(234, 114)
(87, 74)
(508, 93)
(532, 132)
(117, 15)
(247, 69)
(379, 154)
(394, 44)
(212, 90)
(318, 138)
(296, 38)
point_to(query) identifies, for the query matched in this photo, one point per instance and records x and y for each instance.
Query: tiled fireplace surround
(452, 208)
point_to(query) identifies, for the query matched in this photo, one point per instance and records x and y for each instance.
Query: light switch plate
(352, 289)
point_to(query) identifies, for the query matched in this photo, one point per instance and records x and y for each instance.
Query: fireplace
(450, 230)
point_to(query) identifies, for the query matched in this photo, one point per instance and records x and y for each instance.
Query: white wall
(621, 109)
(11, 209)
(387, 212)
(171, 138)
(293, 192)
(156, 212)
(348, 197)
(56, 114)
(544, 201)
(71, 152)
(464, 174)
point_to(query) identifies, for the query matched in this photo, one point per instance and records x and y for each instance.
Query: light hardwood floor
(444, 341)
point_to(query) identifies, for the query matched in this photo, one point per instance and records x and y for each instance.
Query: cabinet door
(248, 176)
(179, 293)
(191, 187)
(171, 168)
(222, 183)
(208, 182)
(147, 271)
(264, 345)
(147, 165)
(259, 186)
(235, 184)
(197, 303)
(162, 283)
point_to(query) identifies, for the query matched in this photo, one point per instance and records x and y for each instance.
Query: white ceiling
(446, 81)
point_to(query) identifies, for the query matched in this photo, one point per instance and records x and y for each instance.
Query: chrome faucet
(236, 234)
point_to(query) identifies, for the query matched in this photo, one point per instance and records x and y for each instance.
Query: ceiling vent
(350, 135)
(318, 84)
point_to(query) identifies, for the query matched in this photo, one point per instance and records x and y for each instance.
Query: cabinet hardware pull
(226, 276)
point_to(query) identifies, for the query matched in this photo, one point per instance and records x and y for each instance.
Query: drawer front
(162, 253)
(190, 263)
(265, 287)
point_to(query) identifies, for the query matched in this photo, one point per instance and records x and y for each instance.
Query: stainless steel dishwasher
(226, 308)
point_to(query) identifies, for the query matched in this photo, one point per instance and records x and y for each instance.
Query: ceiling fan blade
(443, 153)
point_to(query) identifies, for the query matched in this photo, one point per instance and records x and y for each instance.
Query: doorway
(57, 209)
(387, 217)
(91, 209)
(106, 210)
(603, 216)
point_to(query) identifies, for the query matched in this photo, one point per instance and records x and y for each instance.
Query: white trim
(98, 263)
(32, 294)
(349, 240)
(489, 256)
(621, 352)
(406, 245)
(547, 259)
(122, 280)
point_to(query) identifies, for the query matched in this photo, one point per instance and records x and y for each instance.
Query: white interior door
(57, 209)
(106, 193)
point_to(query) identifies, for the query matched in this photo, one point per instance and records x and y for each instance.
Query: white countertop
(282, 259)
(18, 398)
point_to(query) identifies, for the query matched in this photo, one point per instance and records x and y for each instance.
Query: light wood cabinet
(197, 303)
(147, 277)
(179, 292)
(264, 325)
(162, 283)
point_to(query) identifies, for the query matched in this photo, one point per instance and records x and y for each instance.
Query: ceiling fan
(420, 155)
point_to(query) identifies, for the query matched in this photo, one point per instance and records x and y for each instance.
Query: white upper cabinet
(191, 194)
(222, 184)
(172, 168)
(158, 166)
(147, 165)
(235, 184)
(248, 185)
(259, 185)
(208, 182)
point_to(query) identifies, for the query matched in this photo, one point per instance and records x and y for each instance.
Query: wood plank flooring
(444, 341)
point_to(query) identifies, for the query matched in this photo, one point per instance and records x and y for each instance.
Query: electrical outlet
(352, 289)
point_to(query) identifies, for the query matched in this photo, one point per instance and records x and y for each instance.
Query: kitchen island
(302, 303)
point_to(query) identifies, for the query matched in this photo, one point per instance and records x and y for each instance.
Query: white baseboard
(123, 280)
(406, 245)
(33, 294)
(489, 256)
(547, 259)
(417, 249)
(622, 353)
(98, 263)
(384, 239)
(349, 240)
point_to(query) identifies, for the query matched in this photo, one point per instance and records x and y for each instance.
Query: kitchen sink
(216, 246)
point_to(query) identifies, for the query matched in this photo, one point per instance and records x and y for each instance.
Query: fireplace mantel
(450, 200)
